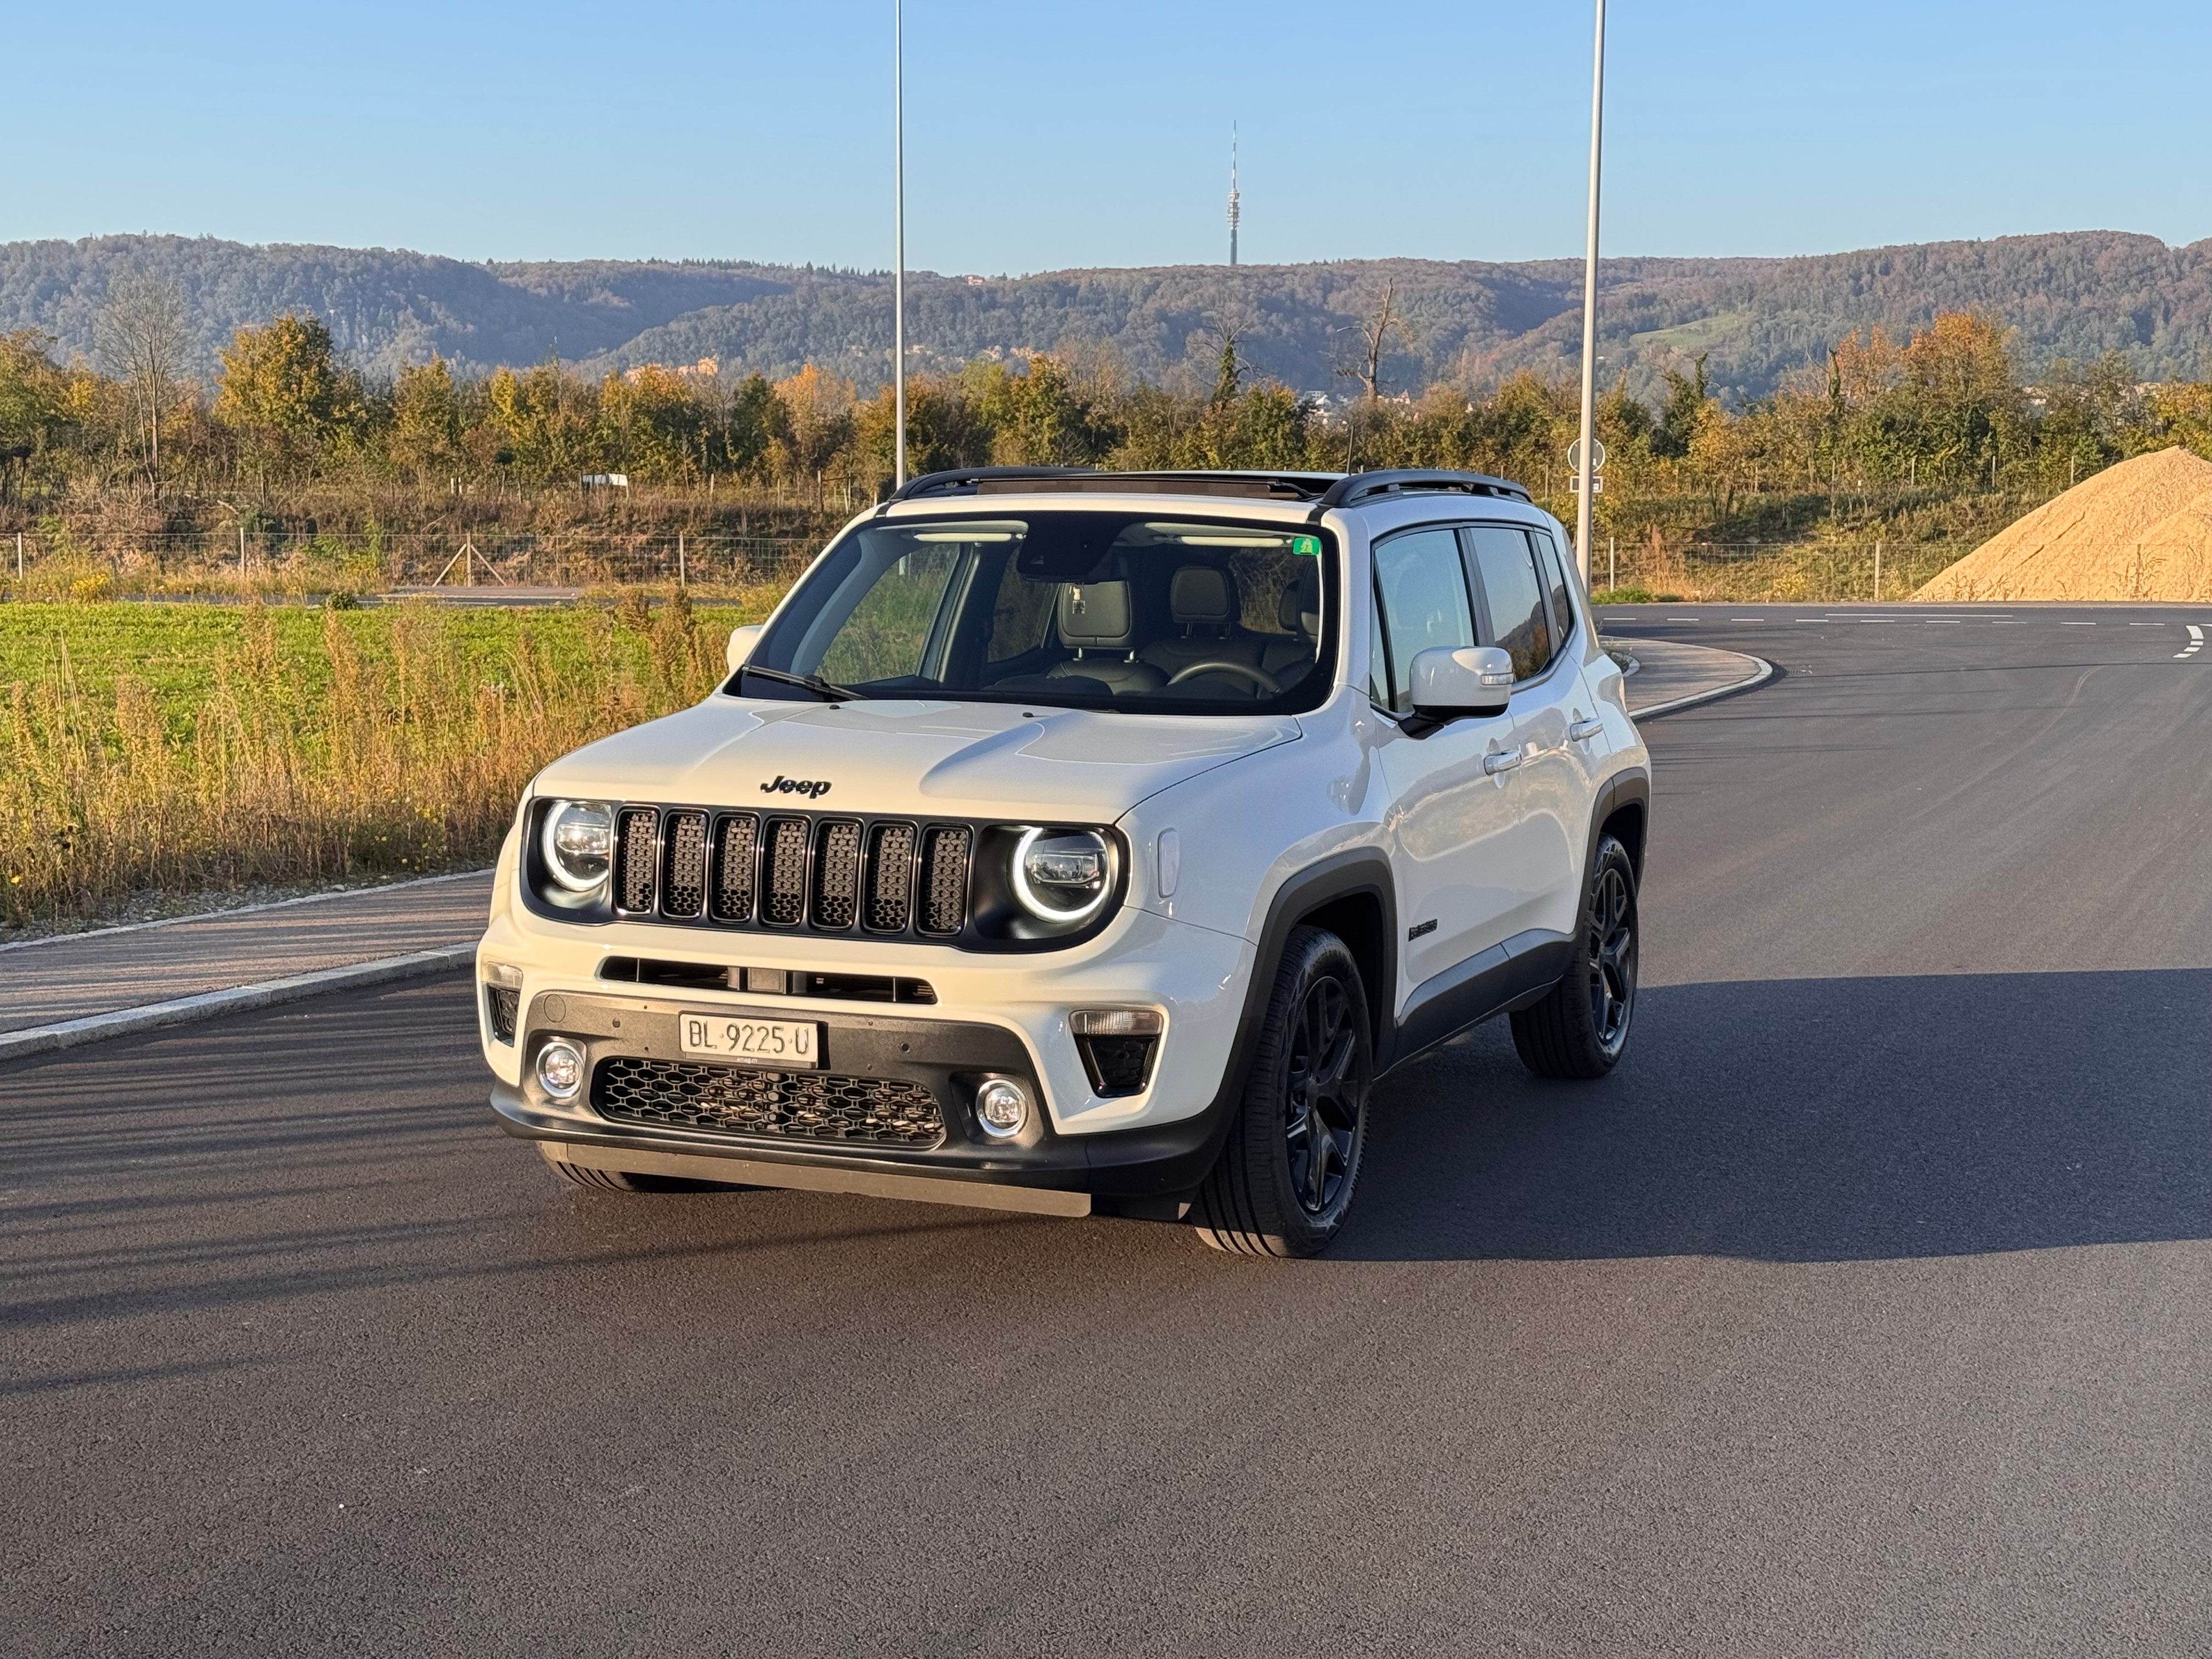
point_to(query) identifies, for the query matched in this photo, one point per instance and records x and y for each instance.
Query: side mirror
(742, 642)
(1449, 685)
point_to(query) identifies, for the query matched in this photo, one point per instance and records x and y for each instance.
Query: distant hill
(2075, 294)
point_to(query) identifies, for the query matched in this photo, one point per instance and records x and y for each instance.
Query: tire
(623, 1180)
(1266, 1195)
(1580, 1029)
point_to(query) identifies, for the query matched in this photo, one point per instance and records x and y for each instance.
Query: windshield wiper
(814, 683)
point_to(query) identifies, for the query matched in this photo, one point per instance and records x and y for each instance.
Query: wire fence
(297, 561)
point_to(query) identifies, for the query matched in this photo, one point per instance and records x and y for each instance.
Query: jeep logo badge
(784, 786)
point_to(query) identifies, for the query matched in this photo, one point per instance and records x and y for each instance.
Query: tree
(1683, 411)
(142, 336)
(1375, 340)
(426, 417)
(281, 387)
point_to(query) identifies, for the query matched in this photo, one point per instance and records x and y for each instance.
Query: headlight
(1062, 876)
(580, 843)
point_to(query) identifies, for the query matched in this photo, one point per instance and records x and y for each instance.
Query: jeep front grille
(683, 880)
(836, 873)
(891, 878)
(944, 878)
(734, 846)
(783, 887)
(633, 859)
(740, 1100)
(793, 871)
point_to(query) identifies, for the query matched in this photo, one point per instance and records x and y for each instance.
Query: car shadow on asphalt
(1813, 1120)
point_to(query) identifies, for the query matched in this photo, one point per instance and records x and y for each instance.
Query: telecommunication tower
(1233, 210)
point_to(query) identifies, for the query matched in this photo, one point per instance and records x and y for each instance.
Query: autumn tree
(426, 419)
(144, 339)
(282, 390)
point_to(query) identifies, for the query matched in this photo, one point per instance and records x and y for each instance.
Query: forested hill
(2077, 294)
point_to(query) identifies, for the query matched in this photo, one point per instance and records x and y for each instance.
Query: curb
(182, 1011)
(1759, 675)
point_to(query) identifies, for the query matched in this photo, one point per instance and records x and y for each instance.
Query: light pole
(1586, 485)
(899, 236)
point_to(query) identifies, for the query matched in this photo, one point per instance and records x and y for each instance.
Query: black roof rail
(989, 480)
(1354, 487)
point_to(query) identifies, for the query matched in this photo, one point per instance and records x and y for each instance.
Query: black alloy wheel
(1610, 939)
(1284, 1182)
(1320, 1110)
(1580, 1029)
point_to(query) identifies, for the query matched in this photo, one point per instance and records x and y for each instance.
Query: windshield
(1123, 610)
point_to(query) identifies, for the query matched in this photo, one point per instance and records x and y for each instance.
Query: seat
(1098, 621)
(1300, 613)
(1202, 604)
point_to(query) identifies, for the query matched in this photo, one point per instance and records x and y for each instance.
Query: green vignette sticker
(1306, 547)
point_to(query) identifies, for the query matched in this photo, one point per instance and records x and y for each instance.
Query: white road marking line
(2195, 632)
(2146, 625)
(2195, 642)
(2074, 624)
(1948, 622)
(2008, 624)
(1683, 619)
(1747, 619)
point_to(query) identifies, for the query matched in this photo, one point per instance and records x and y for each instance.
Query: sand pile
(2142, 529)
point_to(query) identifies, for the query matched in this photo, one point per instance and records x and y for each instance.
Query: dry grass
(186, 748)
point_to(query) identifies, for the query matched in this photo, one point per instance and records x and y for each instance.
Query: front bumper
(945, 1060)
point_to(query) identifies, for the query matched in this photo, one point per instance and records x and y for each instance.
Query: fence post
(19, 555)
(681, 578)
(1877, 572)
(1613, 562)
(241, 551)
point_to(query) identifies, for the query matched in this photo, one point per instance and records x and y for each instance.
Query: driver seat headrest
(1095, 615)
(1202, 595)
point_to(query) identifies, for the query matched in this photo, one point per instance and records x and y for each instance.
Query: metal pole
(1584, 488)
(682, 578)
(19, 555)
(1877, 572)
(898, 234)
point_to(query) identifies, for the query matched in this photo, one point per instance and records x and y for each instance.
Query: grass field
(183, 748)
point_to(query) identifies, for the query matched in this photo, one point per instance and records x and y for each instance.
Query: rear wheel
(1580, 1029)
(1283, 1184)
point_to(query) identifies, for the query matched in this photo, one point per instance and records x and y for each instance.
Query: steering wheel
(1264, 681)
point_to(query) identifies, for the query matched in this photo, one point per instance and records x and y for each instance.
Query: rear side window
(1555, 580)
(1512, 597)
(1420, 587)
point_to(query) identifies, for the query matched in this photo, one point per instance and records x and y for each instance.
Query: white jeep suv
(1072, 842)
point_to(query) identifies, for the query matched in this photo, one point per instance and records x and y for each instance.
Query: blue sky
(1042, 136)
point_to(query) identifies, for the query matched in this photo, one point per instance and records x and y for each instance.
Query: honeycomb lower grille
(739, 1100)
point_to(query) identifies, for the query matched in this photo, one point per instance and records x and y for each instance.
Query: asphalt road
(1867, 1310)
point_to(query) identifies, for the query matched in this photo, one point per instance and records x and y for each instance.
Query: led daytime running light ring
(1028, 894)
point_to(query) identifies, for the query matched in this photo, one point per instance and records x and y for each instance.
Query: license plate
(794, 1044)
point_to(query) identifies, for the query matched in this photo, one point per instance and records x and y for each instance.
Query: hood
(930, 759)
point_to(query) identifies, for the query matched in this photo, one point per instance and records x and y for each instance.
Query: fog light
(1002, 1106)
(1116, 1022)
(560, 1069)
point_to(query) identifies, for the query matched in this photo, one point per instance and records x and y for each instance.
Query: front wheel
(1283, 1184)
(1580, 1029)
